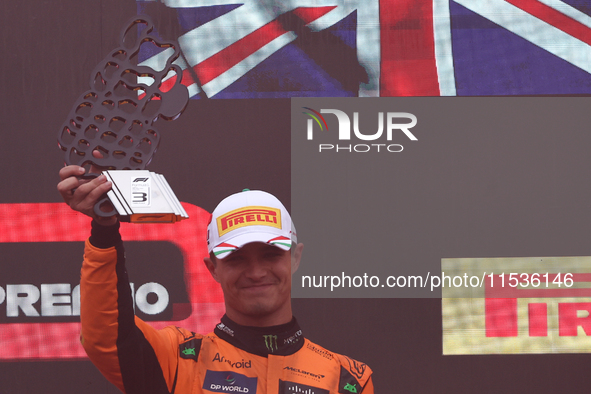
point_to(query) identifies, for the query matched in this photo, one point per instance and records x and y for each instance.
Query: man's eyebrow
(233, 255)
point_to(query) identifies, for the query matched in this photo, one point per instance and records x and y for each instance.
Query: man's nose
(256, 269)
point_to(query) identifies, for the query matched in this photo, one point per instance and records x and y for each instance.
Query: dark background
(216, 148)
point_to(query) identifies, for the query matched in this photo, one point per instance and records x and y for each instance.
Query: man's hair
(213, 259)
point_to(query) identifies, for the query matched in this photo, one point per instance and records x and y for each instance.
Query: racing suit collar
(281, 340)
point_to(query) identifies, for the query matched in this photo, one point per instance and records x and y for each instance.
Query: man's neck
(282, 340)
(273, 319)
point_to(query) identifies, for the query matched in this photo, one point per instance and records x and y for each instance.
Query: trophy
(110, 128)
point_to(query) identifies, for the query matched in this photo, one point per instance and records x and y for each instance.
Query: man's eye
(233, 259)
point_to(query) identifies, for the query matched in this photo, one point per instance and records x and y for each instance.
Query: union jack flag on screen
(372, 48)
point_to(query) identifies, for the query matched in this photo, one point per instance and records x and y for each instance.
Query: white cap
(249, 216)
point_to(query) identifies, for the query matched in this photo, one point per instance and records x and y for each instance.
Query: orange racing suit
(233, 359)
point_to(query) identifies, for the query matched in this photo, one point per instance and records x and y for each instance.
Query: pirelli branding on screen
(249, 216)
(522, 305)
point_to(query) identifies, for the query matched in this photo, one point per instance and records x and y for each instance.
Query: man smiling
(250, 238)
(258, 347)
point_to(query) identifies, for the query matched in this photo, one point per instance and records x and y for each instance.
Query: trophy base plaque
(142, 196)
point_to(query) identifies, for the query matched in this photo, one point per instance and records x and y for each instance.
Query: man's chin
(259, 309)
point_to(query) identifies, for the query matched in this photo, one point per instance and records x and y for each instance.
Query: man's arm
(129, 352)
(356, 376)
(368, 389)
(121, 346)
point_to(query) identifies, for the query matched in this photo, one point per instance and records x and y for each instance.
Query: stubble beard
(260, 308)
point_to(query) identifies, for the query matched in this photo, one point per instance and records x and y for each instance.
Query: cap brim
(235, 243)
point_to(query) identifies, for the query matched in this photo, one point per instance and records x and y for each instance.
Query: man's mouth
(257, 286)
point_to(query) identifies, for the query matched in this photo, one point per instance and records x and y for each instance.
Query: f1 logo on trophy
(111, 129)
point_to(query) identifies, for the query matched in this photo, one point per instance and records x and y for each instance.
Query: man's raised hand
(82, 194)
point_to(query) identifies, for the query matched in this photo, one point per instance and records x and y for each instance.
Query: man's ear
(211, 267)
(296, 256)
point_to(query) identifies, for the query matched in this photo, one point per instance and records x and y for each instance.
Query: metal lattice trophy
(111, 129)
